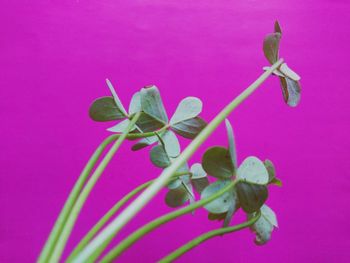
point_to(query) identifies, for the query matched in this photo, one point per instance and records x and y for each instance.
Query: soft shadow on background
(54, 57)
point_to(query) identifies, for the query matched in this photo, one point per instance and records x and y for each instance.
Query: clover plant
(219, 183)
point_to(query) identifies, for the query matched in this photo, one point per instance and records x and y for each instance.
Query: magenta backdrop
(55, 56)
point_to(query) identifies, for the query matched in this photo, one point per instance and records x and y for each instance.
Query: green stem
(200, 239)
(63, 238)
(131, 239)
(51, 241)
(128, 213)
(97, 227)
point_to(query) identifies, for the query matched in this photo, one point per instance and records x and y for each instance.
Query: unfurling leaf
(121, 126)
(291, 91)
(176, 197)
(231, 142)
(253, 170)
(188, 108)
(135, 104)
(159, 157)
(199, 177)
(271, 47)
(264, 226)
(151, 103)
(116, 98)
(223, 202)
(105, 109)
(189, 128)
(278, 28)
(251, 196)
(216, 161)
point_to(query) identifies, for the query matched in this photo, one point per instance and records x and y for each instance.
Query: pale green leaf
(189, 128)
(176, 197)
(174, 184)
(253, 170)
(151, 103)
(216, 161)
(269, 215)
(199, 177)
(220, 204)
(231, 210)
(231, 142)
(159, 157)
(135, 104)
(262, 229)
(121, 126)
(116, 98)
(105, 109)
(289, 72)
(188, 108)
(171, 143)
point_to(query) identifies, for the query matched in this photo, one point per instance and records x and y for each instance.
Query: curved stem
(157, 185)
(51, 241)
(63, 238)
(97, 227)
(200, 239)
(131, 239)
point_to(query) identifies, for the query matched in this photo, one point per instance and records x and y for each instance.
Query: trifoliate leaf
(105, 109)
(121, 126)
(269, 215)
(271, 47)
(189, 128)
(151, 103)
(278, 28)
(176, 197)
(291, 91)
(171, 143)
(147, 123)
(135, 104)
(116, 98)
(251, 196)
(288, 72)
(222, 203)
(216, 161)
(199, 177)
(188, 108)
(231, 142)
(253, 170)
(159, 157)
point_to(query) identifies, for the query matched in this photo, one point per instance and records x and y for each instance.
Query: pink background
(54, 57)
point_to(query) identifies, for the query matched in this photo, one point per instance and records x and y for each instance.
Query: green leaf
(105, 109)
(218, 217)
(116, 98)
(264, 226)
(231, 143)
(121, 126)
(286, 71)
(147, 123)
(216, 161)
(171, 143)
(199, 177)
(251, 196)
(176, 197)
(277, 182)
(144, 142)
(253, 170)
(229, 214)
(291, 91)
(135, 103)
(271, 47)
(188, 108)
(189, 128)
(151, 103)
(174, 184)
(159, 157)
(270, 169)
(223, 202)
(278, 28)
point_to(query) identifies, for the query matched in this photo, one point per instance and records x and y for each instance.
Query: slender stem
(62, 240)
(131, 239)
(51, 241)
(200, 239)
(129, 212)
(97, 227)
